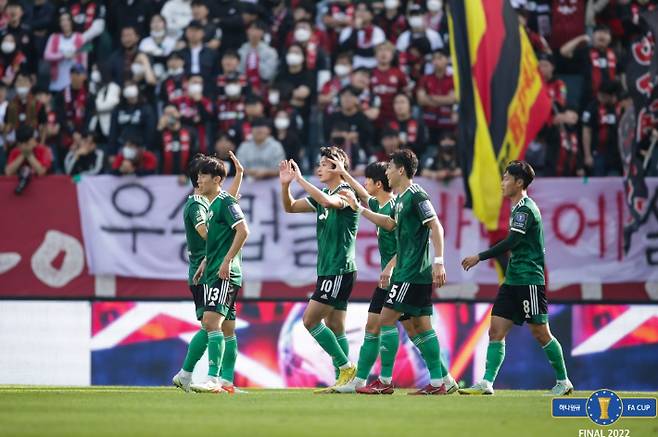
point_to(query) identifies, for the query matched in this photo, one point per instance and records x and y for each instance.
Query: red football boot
(429, 389)
(376, 388)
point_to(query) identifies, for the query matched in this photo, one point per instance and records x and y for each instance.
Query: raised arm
(381, 220)
(334, 201)
(361, 192)
(234, 189)
(290, 204)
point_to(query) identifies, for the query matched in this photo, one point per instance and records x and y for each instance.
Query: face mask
(137, 69)
(294, 59)
(175, 71)
(273, 97)
(96, 76)
(22, 91)
(171, 121)
(281, 123)
(129, 153)
(157, 33)
(130, 92)
(302, 34)
(391, 4)
(195, 88)
(416, 21)
(233, 89)
(434, 5)
(342, 69)
(8, 47)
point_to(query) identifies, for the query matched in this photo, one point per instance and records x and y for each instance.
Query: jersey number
(526, 308)
(210, 296)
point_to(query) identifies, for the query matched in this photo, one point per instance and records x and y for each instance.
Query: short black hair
(193, 168)
(407, 159)
(213, 167)
(521, 170)
(377, 172)
(335, 153)
(24, 133)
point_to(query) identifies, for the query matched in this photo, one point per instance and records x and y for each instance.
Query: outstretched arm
(356, 186)
(234, 189)
(509, 243)
(381, 220)
(290, 204)
(324, 199)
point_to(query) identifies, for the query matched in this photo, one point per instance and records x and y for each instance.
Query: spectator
(12, 60)
(369, 102)
(282, 24)
(143, 76)
(261, 155)
(386, 82)
(226, 142)
(412, 130)
(128, 13)
(84, 158)
(134, 159)
(175, 83)
(337, 15)
(72, 108)
(357, 125)
(88, 17)
(106, 96)
(231, 22)
(63, 51)
(390, 143)
(437, 19)
(444, 165)
(131, 119)
(22, 34)
(198, 58)
(600, 139)
(417, 44)
(231, 69)
(24, 108)
(196, 111)
(436, 96)
(52, 128)
(231, 102)
(158, 46)
(340, 79)
(178, 14)
(259, 61)
(567, 22)
(43, 16)
(313, 41)
(363, 37)
(391, 20)
(176, 143)
(28, 158)
(286, 135)
(212, 35)
(122, 59)
(296, 77)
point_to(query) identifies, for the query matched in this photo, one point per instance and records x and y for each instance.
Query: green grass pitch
(99, 411)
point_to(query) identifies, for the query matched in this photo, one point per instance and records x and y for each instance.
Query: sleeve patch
(236, 212)
(520, 220)
(426, 209)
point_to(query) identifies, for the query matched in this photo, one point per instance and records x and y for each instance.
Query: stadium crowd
(138, 86)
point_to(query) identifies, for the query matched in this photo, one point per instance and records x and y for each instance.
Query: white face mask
(137, 69)
(195, 88)
(96, 76)
(434, 5)
(281, 123)
(294, 59)
(8, 47)
(342, 69)
(416, 21)
(233, 89)
(175, 71)
(157, 33)
(130, 92)
(302, 34)
(22, 91)
(391, 4)
(273, 97)
(129, 153)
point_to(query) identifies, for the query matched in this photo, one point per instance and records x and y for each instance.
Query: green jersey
(224, 214)
(412, 211)
(385, 239)
(194, 215)
(336, 233)
(526, 265)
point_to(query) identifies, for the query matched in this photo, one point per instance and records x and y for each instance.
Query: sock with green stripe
(228, 360)
(195, 350)
(444, 368)
(215, 351)
(327, 340)
(344, 346)
(495, 357)
(388, 350)
(554, 353)
(431, 352)
(367, 355)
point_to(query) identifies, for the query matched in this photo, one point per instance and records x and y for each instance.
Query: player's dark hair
(213, 167)
(377, 172)
(335, 153)
(407, 159)
(193, 168)
(521, 170)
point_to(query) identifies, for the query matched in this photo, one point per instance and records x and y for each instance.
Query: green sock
(431, 352)
(367, 355)
(416, 341)
(215, 351)
(345, 347)
(327, 341)
(228, 360)
(554, 353)
(195, 350)
(388, 349)
(495, 357)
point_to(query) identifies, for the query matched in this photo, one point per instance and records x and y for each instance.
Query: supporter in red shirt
(436, 96)
(391, 20)
(386, 81)
(134, 159)
(28, 157)
(340, 78)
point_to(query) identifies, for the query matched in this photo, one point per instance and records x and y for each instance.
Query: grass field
(98, 411)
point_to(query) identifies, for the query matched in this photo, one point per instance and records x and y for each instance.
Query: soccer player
(521, 298)
(194, 218)
(415, 224)
(336, 235)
